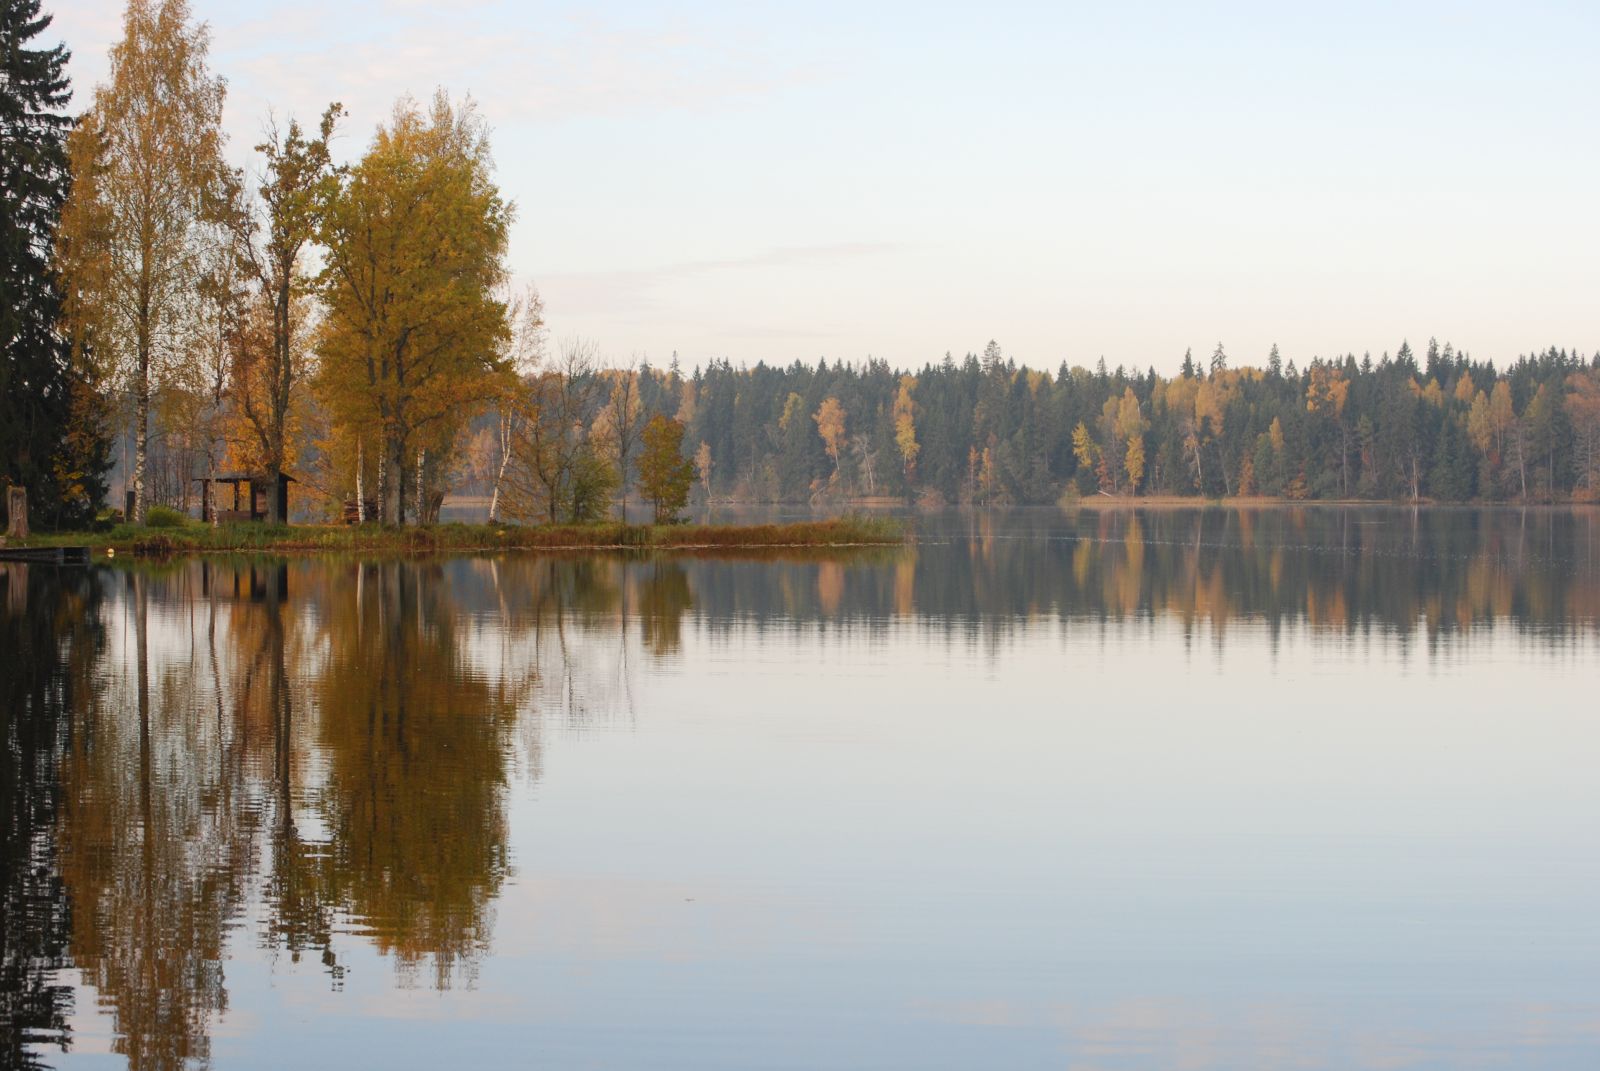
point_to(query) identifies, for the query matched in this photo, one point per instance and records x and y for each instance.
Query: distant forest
(984, 430)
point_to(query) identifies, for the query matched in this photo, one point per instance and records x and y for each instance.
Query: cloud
(626, 294)
(523, 65)
(523, 70)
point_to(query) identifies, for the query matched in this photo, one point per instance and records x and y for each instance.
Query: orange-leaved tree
(665, 475)
(270, 363)
(414, 339)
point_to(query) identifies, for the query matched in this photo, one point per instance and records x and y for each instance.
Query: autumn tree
(702, 465)
(622, 425)
(1583, 410)
(297, 186)
(524, 353)
(665, 475)
(905, 429)
(147, 198)
(1327, 391)
(415, 328)
(829, 419)
(1130, 428)
(560, 471)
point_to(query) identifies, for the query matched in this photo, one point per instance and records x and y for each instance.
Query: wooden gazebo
(250, 499)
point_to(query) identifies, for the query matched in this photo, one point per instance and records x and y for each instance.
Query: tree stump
(17, 510)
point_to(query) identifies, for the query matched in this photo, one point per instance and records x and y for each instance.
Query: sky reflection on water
(1306, 788)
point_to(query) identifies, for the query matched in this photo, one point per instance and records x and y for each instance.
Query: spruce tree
(62, 467)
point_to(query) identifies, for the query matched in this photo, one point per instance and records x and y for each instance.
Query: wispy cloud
(523, 65)
(523, 71)
(632, 292)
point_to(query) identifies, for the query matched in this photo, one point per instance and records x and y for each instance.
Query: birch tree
(148, 196)
(524, 355)
(415, 330)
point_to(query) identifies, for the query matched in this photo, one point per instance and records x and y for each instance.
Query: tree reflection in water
(327, 745)
(50, 637)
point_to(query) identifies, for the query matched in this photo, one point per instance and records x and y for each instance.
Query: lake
(1309, 788)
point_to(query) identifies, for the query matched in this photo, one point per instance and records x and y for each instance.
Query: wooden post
(17, 510)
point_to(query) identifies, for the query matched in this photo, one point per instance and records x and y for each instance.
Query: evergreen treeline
(985, 430)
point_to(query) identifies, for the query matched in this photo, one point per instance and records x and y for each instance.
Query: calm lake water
(1177, 789)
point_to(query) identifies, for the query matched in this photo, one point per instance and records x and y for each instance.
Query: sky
(780, 182)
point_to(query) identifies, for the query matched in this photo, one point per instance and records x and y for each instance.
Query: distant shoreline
(1104, 502)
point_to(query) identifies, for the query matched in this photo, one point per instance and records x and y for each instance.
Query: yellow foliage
(1129, 420)
(1327, 389)
(830, 425)
(1135, 461)
(1210, 399)
(1083, 446)
(414, 337)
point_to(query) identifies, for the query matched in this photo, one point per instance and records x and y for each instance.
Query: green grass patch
(157, 541)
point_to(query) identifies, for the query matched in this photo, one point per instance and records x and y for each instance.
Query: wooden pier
(46, 555)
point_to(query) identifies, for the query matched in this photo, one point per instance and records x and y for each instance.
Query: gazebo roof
(240, 477)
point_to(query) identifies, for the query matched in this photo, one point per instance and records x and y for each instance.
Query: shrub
(165, 517)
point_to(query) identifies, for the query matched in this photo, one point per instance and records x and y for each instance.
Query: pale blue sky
(781, 181)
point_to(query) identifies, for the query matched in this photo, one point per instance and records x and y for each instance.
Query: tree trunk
(505, 459)
(422, 466)
(141, 429)
(397, 460)
(383, 486)
(361, 494)
(1344, 463)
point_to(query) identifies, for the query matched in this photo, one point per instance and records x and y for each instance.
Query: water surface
(1206, 789)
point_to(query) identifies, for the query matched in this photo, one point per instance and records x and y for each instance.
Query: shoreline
(146, 542)
(1112, 502)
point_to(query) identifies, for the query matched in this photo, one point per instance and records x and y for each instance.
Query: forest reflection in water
(309, 756)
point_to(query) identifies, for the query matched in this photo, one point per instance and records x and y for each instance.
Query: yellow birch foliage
(145, 207)
(905, 426)
(415, 333)
(830, 425)
(1135, 461)
(1327, 390)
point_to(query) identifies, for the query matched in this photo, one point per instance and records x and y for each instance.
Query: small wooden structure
(252, 490)
(352, 510)
(46, 555)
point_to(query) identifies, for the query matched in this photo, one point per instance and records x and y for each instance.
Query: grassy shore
(1159, 502)
(465, 538)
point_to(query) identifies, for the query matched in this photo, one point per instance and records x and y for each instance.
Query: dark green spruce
(50, 438)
